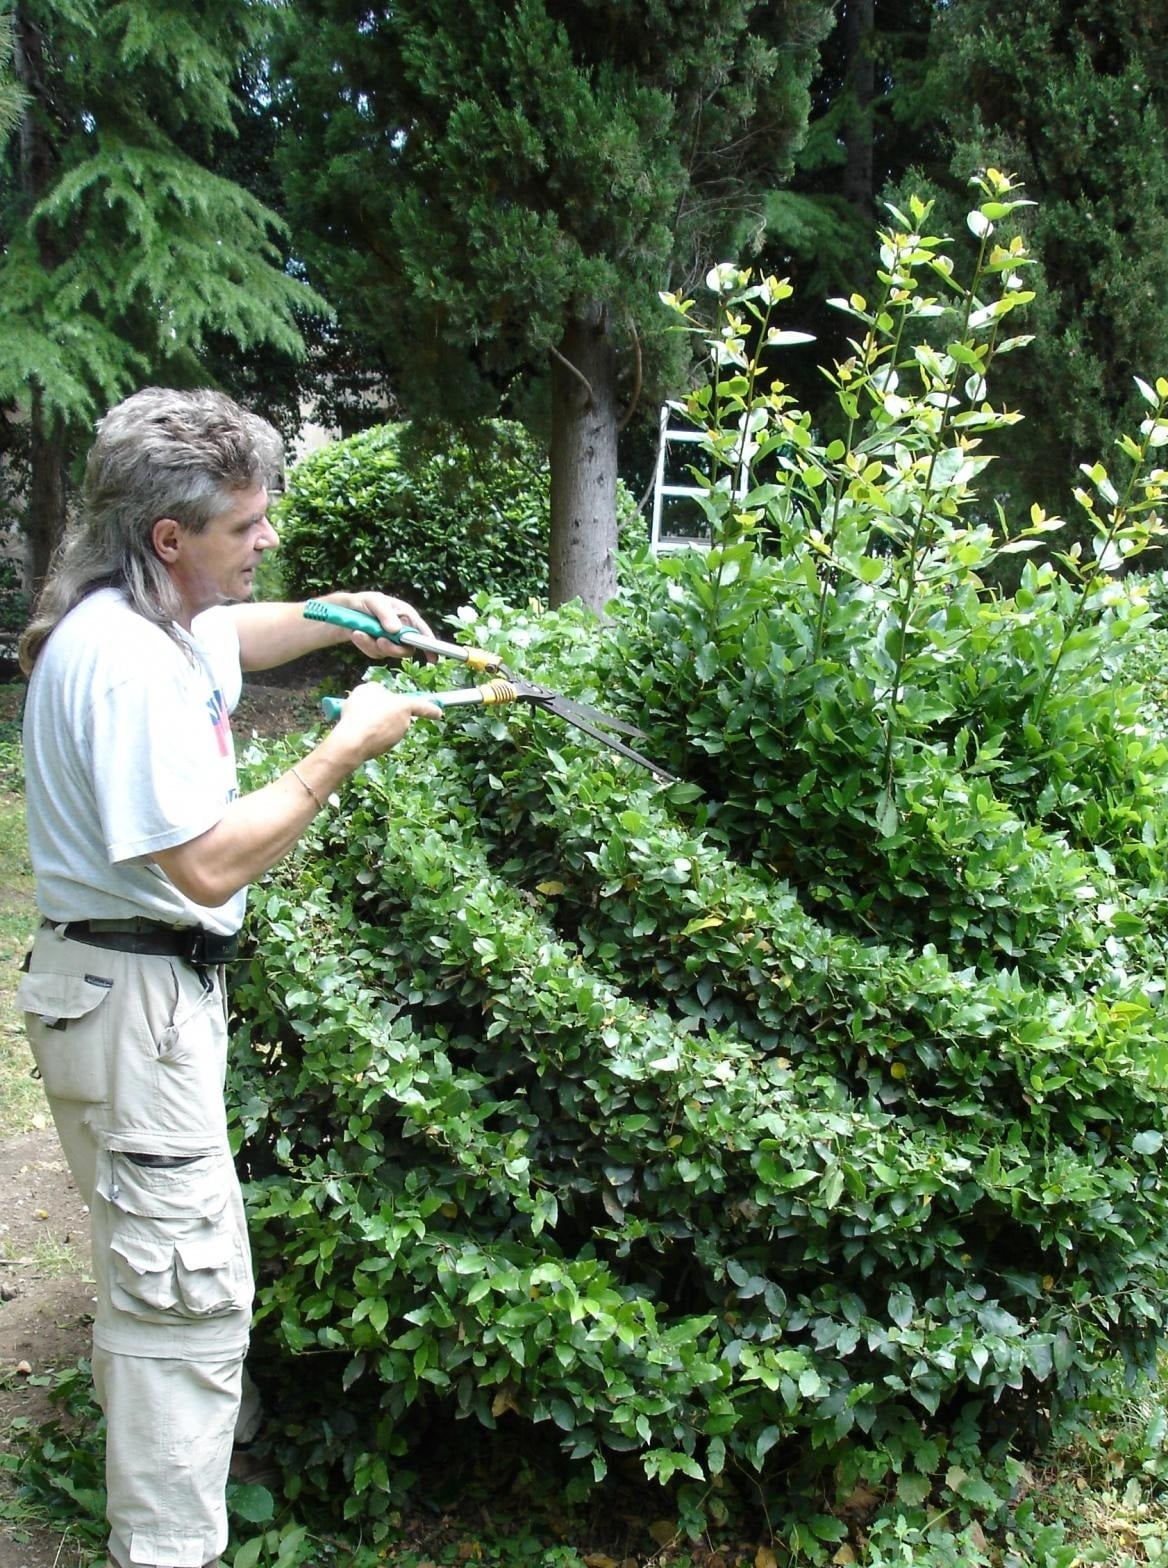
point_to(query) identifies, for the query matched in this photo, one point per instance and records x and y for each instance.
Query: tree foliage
(465, 175)
(124, 250)
(871, 118)
(11, 97)
(1072, 98)
(493, 192)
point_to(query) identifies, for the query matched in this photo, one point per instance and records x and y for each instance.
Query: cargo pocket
(176, 1249)
(67, 1030)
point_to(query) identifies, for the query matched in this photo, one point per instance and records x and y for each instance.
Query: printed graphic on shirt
(221, 722)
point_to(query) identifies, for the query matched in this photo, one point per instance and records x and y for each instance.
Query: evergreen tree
(123, 251)
(489, 191)
(1072, 97)
(11, 98)
(870, 119)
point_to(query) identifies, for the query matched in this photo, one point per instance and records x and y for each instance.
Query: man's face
(218, 565)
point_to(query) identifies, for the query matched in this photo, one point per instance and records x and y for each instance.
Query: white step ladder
(662, 491)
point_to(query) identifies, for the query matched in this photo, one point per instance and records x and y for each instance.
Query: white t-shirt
(128, 750)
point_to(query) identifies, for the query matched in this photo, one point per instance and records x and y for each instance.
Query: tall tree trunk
(47, 489)
(48, 446)
(585, 416)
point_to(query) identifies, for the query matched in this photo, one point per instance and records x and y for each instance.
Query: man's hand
(373, 719)
(393, 614)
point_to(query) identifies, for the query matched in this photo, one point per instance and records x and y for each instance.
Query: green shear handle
(407, 636)
(492, 692)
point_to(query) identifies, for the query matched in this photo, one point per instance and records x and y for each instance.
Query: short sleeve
(163, 760)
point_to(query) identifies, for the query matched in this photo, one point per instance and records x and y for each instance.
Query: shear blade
(587, 728)
(573, 711)
(590, 721)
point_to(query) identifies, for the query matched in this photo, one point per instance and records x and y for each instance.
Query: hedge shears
(505, 686)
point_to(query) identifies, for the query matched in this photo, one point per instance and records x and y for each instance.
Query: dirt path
(45, 1306)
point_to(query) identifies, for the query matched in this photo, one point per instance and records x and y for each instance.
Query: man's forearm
(273, 634)
(257, 830)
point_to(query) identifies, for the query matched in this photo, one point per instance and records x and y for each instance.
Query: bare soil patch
(46, 1305)
(269, 706)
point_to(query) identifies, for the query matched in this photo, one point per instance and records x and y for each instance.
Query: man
(143, 849)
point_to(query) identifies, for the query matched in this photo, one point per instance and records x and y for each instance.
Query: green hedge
(557, 1111)
(803, 1118)
(433, 525)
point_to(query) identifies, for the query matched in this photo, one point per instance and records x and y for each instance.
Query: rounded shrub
(805, 1117)
(434, 526)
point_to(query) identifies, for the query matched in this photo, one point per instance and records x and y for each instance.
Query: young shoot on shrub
(892, 502)
(884, 504)
(1124, 523)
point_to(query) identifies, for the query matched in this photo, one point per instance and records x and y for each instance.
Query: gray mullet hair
(160, 453)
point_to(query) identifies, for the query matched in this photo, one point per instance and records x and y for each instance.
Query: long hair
(160, 453)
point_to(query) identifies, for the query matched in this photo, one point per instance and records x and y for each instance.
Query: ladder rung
(740, 459)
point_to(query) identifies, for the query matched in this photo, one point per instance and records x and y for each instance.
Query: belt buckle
(207, 948)
(196, 947)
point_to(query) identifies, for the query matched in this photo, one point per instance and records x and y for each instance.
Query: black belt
(191, 943)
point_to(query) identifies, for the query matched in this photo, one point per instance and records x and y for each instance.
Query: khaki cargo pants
(132, 1052)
